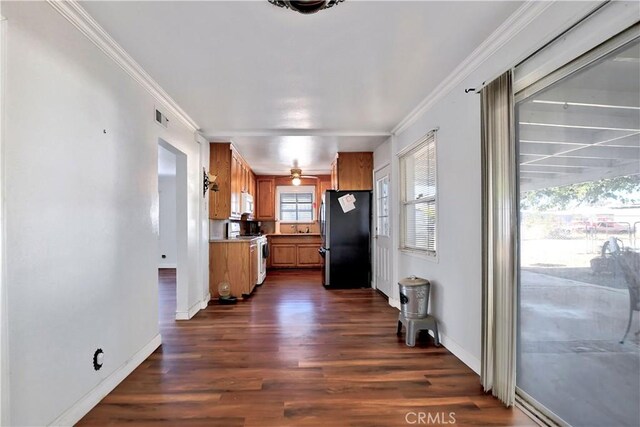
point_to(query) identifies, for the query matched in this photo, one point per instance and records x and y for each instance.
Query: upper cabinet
(352, 171)
(266, 201)
(234, 177)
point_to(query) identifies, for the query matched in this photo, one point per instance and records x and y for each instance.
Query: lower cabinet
(294, 251)
(235, 263)
(283, 255)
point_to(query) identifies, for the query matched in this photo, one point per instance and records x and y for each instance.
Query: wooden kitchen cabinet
(352, 171)
(324, 186)
(266, 207)
(233, 178)
(283, 255)
(308, 255)
(235, 263)
(294, 251)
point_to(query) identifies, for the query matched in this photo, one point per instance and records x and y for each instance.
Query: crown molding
(501, 36)
(88, 26)
(226, 134)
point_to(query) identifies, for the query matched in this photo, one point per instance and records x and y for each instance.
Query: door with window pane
(382, 236)
(579, 262)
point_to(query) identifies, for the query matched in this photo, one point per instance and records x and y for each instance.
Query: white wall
(382, 155)
(167, 241)
(457, 274)
(81, 193)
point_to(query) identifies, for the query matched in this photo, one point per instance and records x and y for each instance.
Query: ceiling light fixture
(295, 176)
(306, 7)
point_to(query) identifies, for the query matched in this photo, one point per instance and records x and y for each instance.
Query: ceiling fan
(296, 176)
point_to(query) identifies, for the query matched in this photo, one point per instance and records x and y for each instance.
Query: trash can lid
(413, 281)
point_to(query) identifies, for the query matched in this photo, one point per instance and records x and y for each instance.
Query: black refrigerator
(346, 239)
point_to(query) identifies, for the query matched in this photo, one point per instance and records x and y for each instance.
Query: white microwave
(246, 204)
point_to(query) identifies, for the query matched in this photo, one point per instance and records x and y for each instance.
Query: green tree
(623, 190)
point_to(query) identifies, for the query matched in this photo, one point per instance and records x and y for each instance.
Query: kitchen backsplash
(293, 228)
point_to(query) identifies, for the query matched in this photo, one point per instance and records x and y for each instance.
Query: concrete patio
(571, 360)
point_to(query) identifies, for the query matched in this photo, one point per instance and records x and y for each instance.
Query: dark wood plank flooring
(296, 354)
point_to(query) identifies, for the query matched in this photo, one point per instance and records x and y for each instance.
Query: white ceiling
(585, 127)
(256, 74)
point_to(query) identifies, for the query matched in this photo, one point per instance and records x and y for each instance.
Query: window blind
(419, 217)
(296, 207)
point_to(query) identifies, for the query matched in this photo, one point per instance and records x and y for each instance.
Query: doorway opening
(172, 255)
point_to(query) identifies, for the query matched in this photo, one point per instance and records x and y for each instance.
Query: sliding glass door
(579, 240)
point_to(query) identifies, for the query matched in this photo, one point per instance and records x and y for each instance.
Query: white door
(382, 233)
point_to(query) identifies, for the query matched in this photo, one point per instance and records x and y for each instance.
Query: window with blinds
(418, 197)
(296, 207)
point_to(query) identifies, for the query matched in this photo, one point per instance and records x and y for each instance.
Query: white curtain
(499, 239)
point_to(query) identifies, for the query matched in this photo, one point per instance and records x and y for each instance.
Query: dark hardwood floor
(295, 354)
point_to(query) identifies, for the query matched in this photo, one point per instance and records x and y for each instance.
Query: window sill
(416, 253)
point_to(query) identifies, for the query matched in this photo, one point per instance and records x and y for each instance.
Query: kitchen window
(295, 204)
(419, 197)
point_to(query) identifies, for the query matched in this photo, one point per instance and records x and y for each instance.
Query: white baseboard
(205, 302)
(167, 265)
(91, 399)
(186, 315)
(467, 358)
(201, 305)
(462, 354)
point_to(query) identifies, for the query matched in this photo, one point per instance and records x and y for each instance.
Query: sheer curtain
(499, 239)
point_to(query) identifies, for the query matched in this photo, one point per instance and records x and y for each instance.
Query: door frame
(374, 215)
(4, 330)
(622, 38)
(182, 231)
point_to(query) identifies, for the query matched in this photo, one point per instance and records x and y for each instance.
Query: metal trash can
(414, 297)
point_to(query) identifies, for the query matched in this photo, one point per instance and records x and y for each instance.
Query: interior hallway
(295, 354)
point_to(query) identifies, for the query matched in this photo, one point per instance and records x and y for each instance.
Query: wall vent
(161, 119)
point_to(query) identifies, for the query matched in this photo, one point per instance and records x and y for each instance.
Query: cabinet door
(266, 208)
(243, 168)
(355, 171)
(236, 177)
(220, 166)
(283, 256)
(308, 255)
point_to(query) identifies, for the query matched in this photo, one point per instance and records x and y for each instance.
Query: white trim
(296, 189)
(4, 329)
(168, 265)
(205, 302)
(517, 22)
(467, 358)
(79, 17)
(91, 399)
(394, 303)
(379, 168)
(224, 135)
(424, 255)
(416, 146)
(374, 222)
(186, 315)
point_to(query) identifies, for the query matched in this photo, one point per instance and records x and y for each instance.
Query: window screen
(419, 214)
(296, 207)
